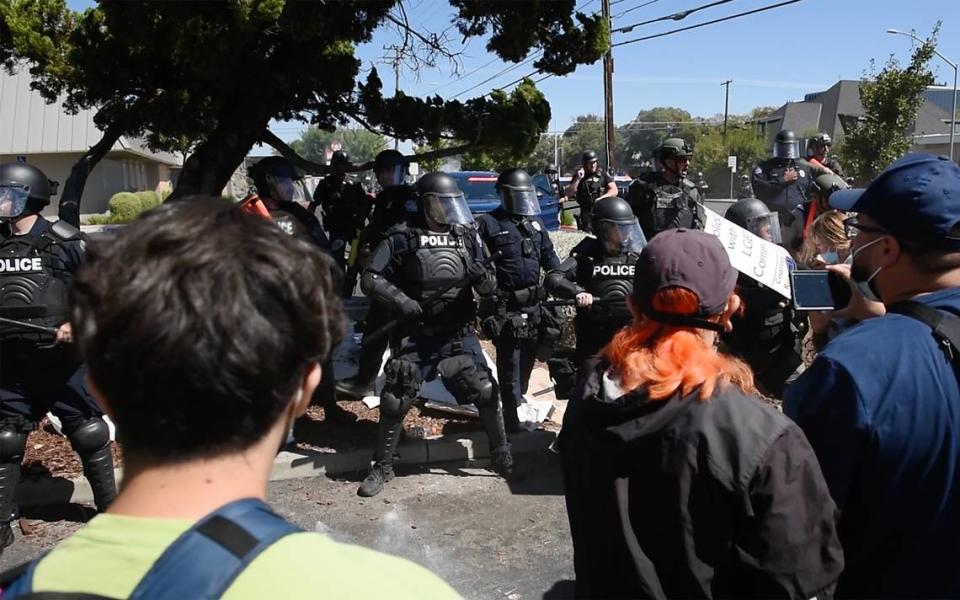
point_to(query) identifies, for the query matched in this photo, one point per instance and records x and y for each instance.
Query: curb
(296, 465)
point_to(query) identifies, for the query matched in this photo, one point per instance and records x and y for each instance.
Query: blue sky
(772, 57)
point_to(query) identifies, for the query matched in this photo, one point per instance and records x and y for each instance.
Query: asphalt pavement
(485, 537)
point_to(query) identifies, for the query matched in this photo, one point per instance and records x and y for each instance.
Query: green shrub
(149, 199)
(164, 194)
(124, 207)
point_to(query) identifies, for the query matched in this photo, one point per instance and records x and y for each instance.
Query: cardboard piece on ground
(753, 256)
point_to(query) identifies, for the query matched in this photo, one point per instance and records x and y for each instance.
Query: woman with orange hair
(679, 480)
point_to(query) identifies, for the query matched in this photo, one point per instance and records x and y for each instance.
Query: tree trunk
(214, 161)
(69, 206)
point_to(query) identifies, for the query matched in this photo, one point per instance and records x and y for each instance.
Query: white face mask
(864, 286)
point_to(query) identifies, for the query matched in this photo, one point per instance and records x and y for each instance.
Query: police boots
(12, 442)
(382, 470)
(91, 440)
(501, 458)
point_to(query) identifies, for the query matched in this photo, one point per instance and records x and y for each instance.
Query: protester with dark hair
(881, 403)
(680, 482)
(203, 386)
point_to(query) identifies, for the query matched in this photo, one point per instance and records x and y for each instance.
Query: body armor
(588, 190)
(672, 209)
(607, 278)
(34, 281)
(520, 245)
(437, 260)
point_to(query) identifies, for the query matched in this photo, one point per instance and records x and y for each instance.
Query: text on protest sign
(753, 256)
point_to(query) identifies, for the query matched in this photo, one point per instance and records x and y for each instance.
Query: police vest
(788, 196)
(607, 278)
(520, 245)
(438, 259)
(589, 189)
(764, 326)
(34, 281)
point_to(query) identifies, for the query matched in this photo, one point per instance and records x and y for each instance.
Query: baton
(598, 301)
(31, 326)
(386, 329)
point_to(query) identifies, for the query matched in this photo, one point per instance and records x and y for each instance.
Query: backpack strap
(944, 325)
(202, 563)
(208, 557)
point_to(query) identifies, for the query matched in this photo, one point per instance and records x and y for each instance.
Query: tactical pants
(371, 353)
(340, 240)
(33, 382)
(515, 358)
(425, 354)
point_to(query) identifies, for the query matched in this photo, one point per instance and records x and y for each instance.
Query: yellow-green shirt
(112, 554)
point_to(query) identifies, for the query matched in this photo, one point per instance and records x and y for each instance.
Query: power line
(704, 24)
(630, 10)
(498, 74)
(674, 17)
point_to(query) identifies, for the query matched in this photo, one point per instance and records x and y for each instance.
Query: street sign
(732, 162)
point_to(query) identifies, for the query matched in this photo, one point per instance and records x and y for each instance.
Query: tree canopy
(360, 144)
(210, 76)
(891, 99)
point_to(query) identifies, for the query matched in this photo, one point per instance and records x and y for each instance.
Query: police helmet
(517, 194)
(551, 168)
(390, 167)
(588, 157)
(821, 139)
(339, 158)
(24, 189)
(754, 216)
(673, 148)
(786, 145)
(275, 177)
(616, 226)
(440, 200)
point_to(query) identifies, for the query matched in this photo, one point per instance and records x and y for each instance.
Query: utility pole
(726, 107)
(608, 92)
(396, 85)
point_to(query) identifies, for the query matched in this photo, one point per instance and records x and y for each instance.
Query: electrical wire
(674, 17)
(705, 23)
(630, 10)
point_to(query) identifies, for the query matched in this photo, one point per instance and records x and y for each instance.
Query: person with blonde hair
(826, 242)
(679, 480)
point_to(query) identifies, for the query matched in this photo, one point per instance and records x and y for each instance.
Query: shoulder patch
(535, 225)
(758, 170)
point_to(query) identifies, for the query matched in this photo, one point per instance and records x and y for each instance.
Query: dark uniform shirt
(389, 209)
(589, 189)
(345, 205)
(770, 187)
(524, 246)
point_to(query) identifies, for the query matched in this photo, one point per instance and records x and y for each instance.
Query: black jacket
(688, 499)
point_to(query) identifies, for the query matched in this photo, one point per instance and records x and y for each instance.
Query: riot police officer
(345, 205)
(516, 234)
(590, 184)
(41, 370)
(553, 176)
(818, 152)
(285, 194)
(395, 203)
(767, 335)
(426, 271)
(783, 181)
(598, 275)
(666, 198)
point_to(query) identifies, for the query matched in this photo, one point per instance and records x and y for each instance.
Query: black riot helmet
(616, 226)
(24, 189)
(275, 177)
(588, 157)
(441, 201)
(754, 216)
(339, 158)
(517, 194)
(390, 168)
(786, 145)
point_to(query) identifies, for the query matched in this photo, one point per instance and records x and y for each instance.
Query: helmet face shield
(766, 227)
(447, 209)
(786, 149)
(519, 201)
(287, 189)
(391, 175)
(619, 238)
(13, 201)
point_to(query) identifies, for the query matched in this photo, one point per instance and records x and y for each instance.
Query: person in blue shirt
(881, 404)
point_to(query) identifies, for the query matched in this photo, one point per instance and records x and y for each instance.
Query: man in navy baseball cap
(881, 404)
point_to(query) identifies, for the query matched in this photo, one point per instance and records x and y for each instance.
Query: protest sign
(753, 256)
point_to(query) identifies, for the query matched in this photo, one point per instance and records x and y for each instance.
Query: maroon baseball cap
(690, 259)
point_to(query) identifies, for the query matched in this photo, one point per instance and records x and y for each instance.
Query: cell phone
(819, 290)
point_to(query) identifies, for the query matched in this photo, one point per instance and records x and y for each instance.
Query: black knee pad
(90, 436)
(401, 387)
(466, 381)
(12, 444)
